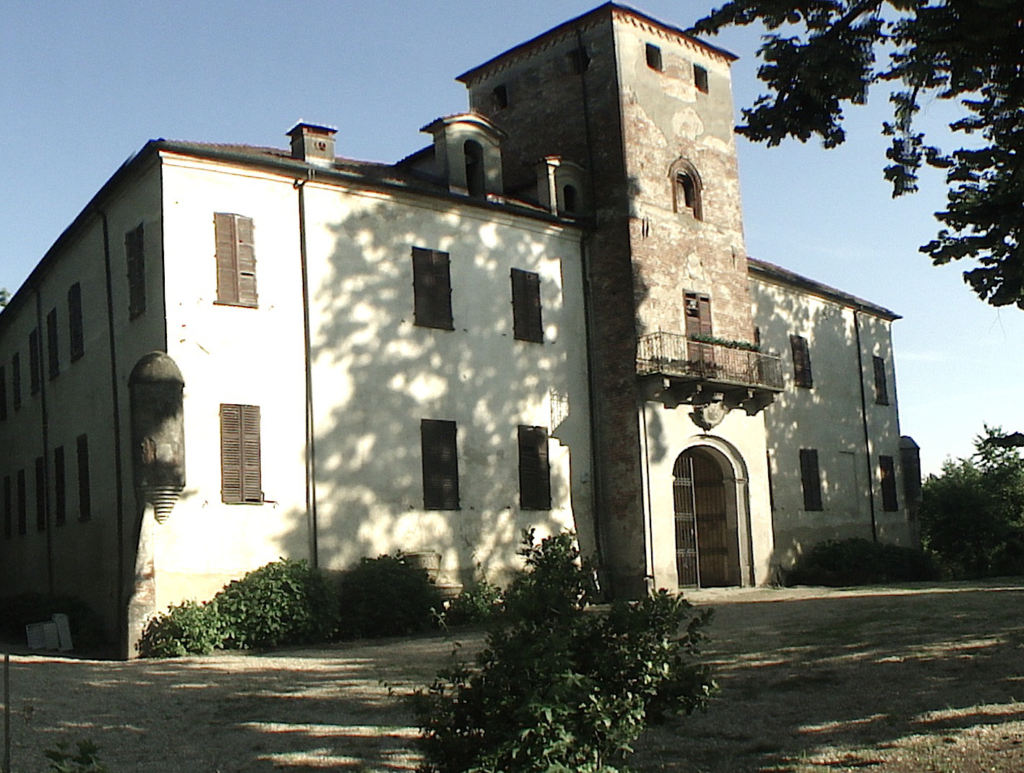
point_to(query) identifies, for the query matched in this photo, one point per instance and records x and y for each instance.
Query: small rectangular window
(52, 345)
(802, 376)
(60, 501)
(35, 362)
(16, 381)
(8, 508)
(234, 236)
(240, 465)
(527, 322)
(22, 503)
(500, 95)
(432, 289)
(84, 491)
(700, 78)
(439, 448)
(75, 328)
(881, 385)
(577, 61)
(3, 393)
(653, 53)
(810, 477)
(40, 494)
(134, 248)
(887, 469)
(534, 470)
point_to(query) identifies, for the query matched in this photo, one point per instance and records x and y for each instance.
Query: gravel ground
(929, 678)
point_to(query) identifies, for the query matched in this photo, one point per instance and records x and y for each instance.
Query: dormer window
(570, 200)
(474, 168)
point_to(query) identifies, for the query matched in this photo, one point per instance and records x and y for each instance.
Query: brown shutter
(887, 468)
(134, 246)
(231, 453)
(252, 486)
(527, 321)
(227, 263)
(801, 361)
(439, 448)
(246, 261)
(881, 387)
(534, 469)
(810, 477)
(432, 288)
(76, 330)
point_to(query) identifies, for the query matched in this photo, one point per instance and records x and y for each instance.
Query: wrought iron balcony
(700, 373)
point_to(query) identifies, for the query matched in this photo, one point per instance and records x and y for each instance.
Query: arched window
(474, 168)
(570, 199)
(686, 189)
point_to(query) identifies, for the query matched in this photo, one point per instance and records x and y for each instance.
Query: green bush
(387, 596)
(84, 760)
(858, 561)
(186, 628)
(558, 686)
(474, 605)
(284, 602)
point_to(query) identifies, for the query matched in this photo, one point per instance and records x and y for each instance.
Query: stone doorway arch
(707, 496)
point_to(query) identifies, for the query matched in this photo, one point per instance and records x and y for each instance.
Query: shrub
(84, 760)
(187, 628)
(474, 605)
(858, 561)
(284, 602)
(387, 596)
(560, 687)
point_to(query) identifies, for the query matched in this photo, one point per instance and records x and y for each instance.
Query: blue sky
(83, 85)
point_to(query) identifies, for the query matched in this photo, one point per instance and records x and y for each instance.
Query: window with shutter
(236, 260)
(534, 470)
(432, 289)
(22, 503)
(35, 362)
(134, 247)
(801, 362)
(887, 468)
(16, 381)
(881, 386)
(75, 329)
(241, 476)
(8, 508)
(40, 494)
(84, 490)
(810, 477)
(700, 78)
(3, 393)
(527, 323)
(439, 446)
(60, 507)
(52, 347)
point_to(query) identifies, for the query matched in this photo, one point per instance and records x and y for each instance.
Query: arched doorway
(707, 538)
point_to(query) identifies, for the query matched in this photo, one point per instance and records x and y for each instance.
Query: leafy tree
(822, 54)
(972, 515)
(559, 687)
(5, 296)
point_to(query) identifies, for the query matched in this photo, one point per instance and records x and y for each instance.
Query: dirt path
(925, 679)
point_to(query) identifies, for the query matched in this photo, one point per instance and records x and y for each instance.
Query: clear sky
(83, 85)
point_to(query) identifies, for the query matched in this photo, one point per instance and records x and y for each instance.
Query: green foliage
(558, 686)
(18, 611)
(972, 515)
(284, 602)
(387, 596)
(728, 343)
(84, 760)
(856, 561)
(819, 56)
(5, 297)
(474, 605)
(187, 628)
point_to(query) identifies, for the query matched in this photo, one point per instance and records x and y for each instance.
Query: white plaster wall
(230, 354)
(376, 375)
(828, 417)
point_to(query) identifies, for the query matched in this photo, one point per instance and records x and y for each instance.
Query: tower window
(686, 190)
(700, 78)
(654, 57)
(577, 60)
(500, 95)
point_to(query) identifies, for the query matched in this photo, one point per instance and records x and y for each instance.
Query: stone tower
(645, 112)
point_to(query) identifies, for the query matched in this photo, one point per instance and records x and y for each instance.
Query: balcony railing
(676, 356)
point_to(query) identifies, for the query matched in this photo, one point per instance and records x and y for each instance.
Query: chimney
(313, 144)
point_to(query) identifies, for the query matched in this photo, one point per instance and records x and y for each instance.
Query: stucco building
(546, 318)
